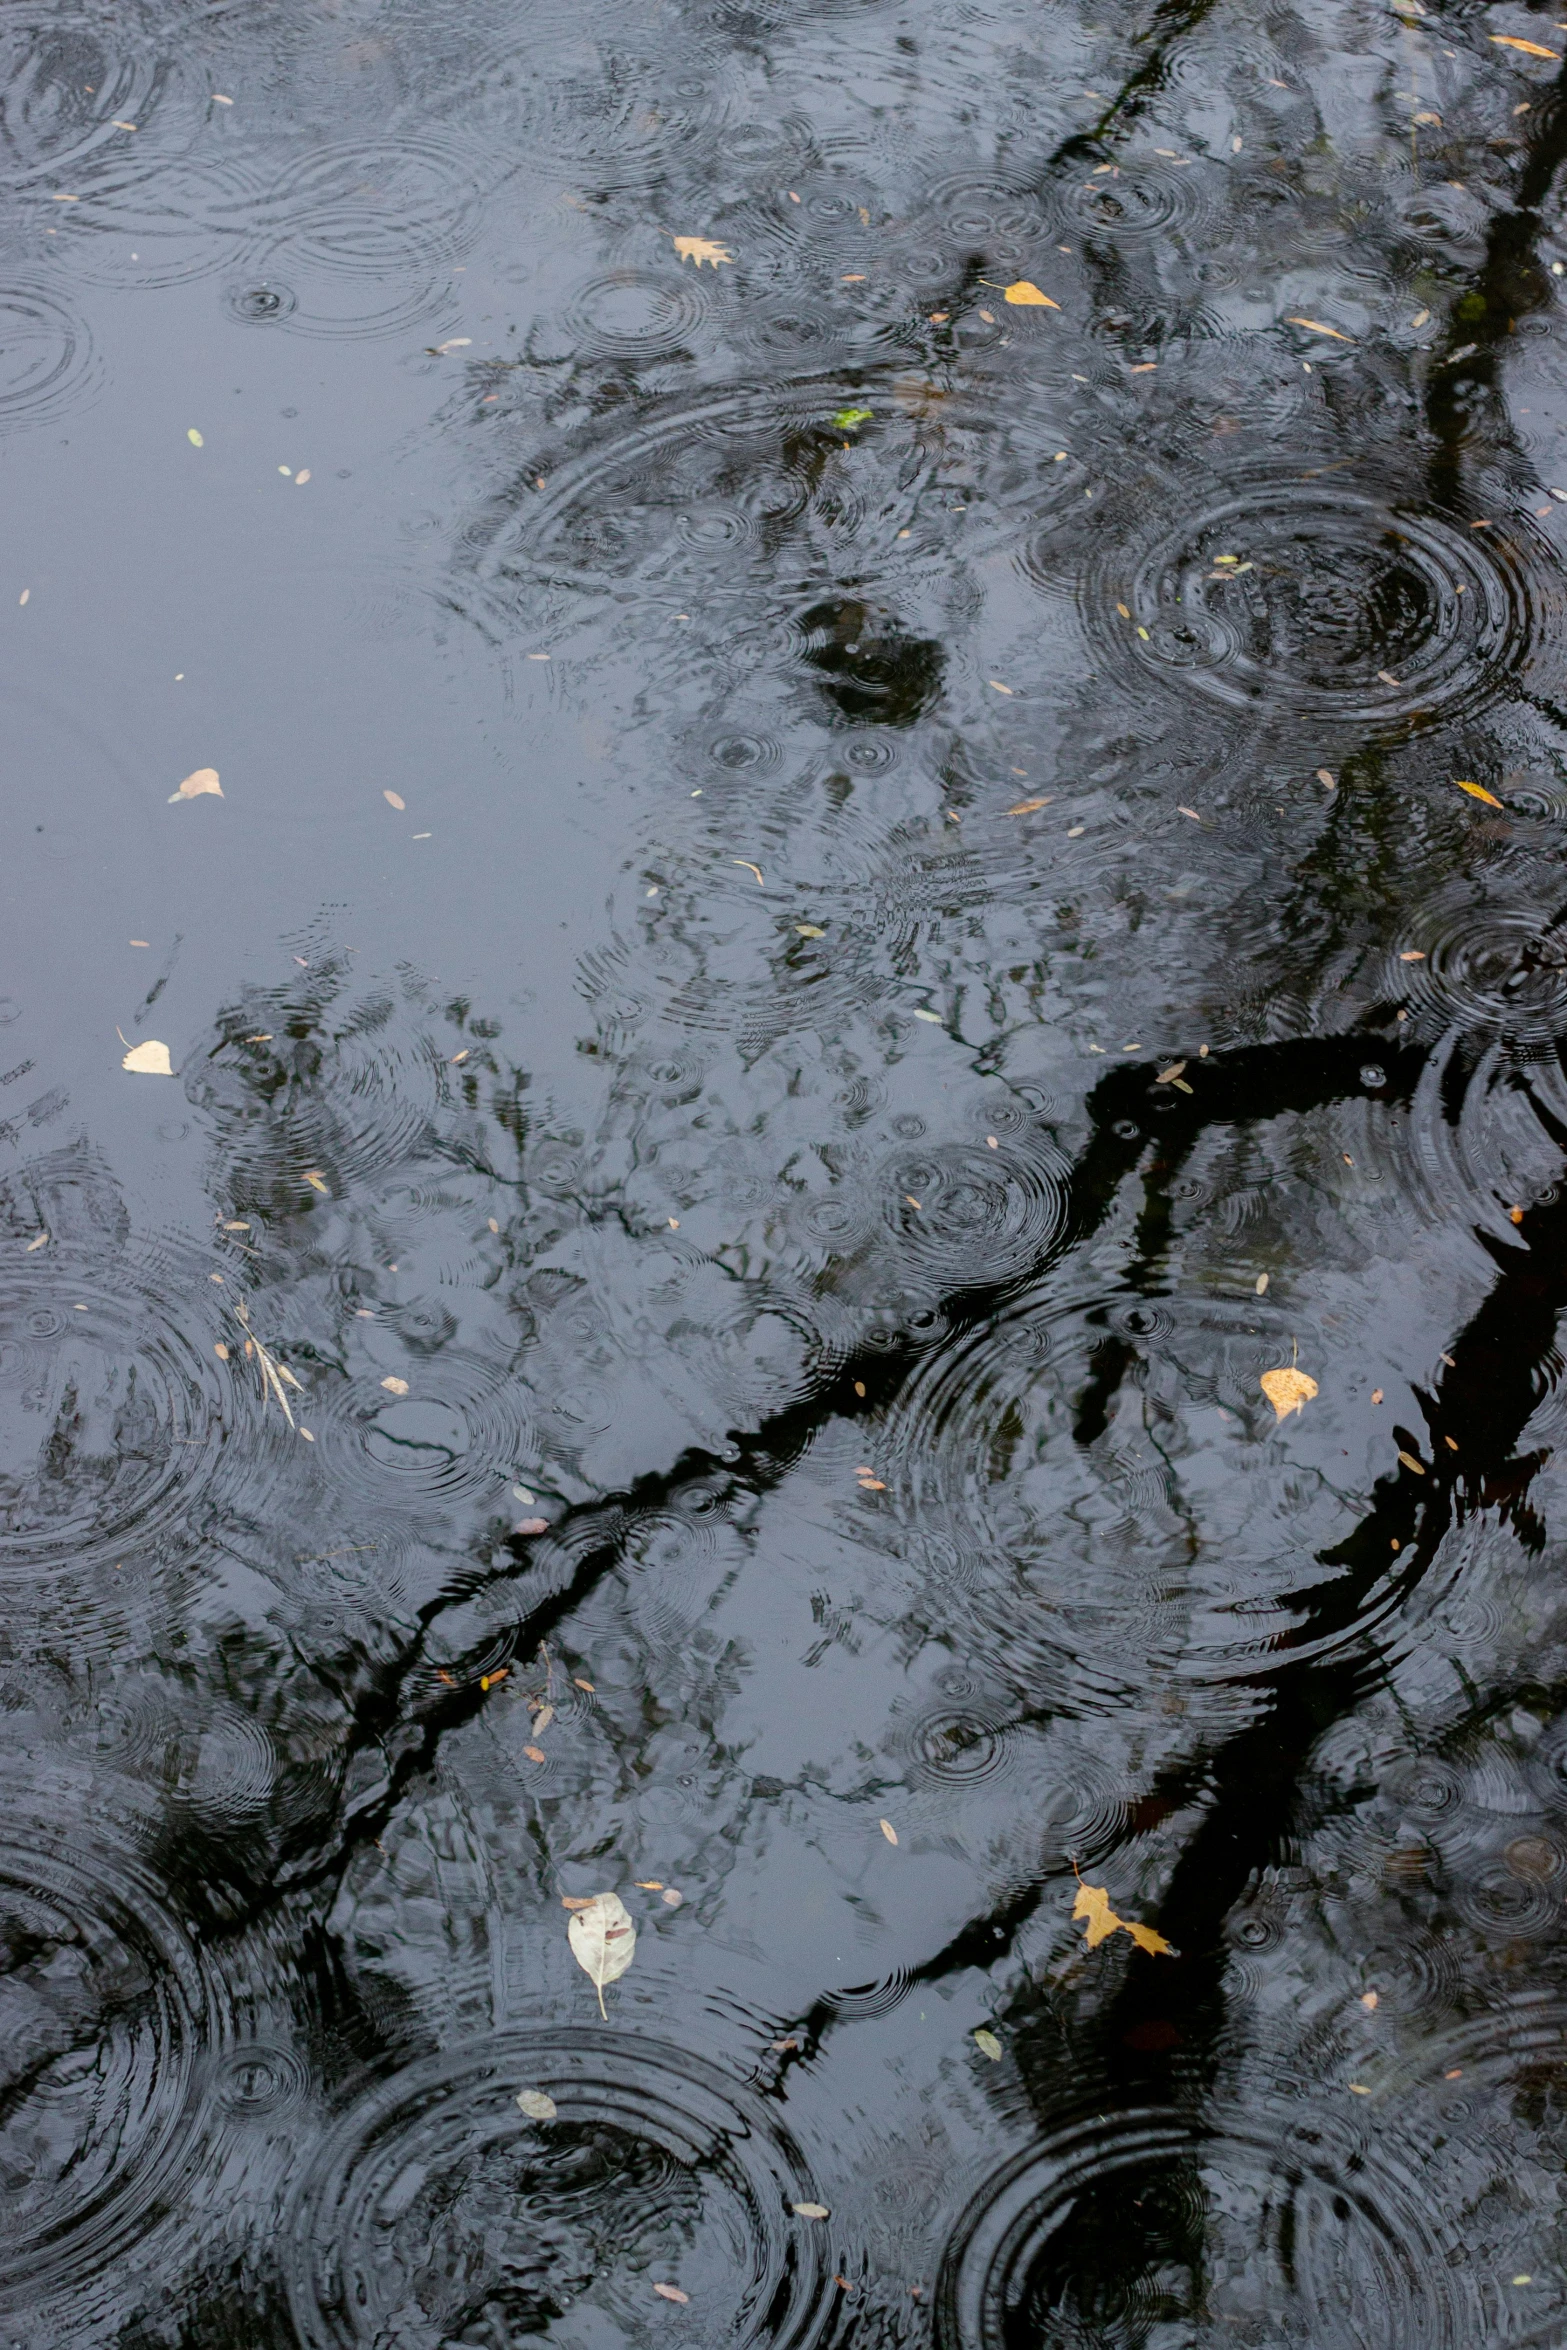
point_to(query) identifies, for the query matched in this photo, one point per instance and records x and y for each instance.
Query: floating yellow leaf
(988, 2045)
(1477, 791)
(1027, 807)
(1093, 1905)
(42, 1241)
(192, 435)
(1318, 328)
(149, 1060)
(1529, 48)
(204, 779)
(810, 2210)
(1026, 295)
(888, 1830)
(395, 1386)
(672, 2293)
(1288, 1390)
(537, 2105)
(317, 1181)
(810, 930)
(700, 249)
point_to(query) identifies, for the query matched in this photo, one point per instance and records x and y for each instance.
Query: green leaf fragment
(847, 418)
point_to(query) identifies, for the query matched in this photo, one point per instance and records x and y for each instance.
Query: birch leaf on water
(1287, 1389)
(149, 1060)
(1023, 294)
(603, 1939)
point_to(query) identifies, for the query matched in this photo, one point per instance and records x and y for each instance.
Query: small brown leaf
(1325, 777)
(888, 1830)
(810, 2210)
(393, 800)
(1027, 807)
(535, 1754)
(395, 1386)
(1411, 1462)
(1288, 1390)
(672, 2293)
(1368, 1999)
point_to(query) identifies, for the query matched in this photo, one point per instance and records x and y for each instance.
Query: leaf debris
(603, 1940)
(1287, 1389)
(1093, 1906)
(700, 249)
(203, 779)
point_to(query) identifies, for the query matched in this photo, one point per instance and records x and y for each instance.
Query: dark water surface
(841, 907)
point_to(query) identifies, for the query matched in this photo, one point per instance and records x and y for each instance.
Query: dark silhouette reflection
(872, 673)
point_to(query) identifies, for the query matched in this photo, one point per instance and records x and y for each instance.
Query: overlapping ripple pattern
(783, 1130)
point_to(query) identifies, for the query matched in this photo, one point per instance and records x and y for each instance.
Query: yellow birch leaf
(700, 249)
(1287, 1389)
(1477, 791)
(205, 779)
(1026, 295)
(149, 1060)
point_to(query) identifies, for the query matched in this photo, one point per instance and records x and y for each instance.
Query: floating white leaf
(149, 1060)
(603, 1939)
(536, 2105)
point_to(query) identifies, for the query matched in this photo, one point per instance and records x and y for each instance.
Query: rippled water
(861, 868)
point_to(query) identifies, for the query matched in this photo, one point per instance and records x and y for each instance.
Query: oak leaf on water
(700, 249)
(1287, 1389)
(1093, 1906)
(603, 1939)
